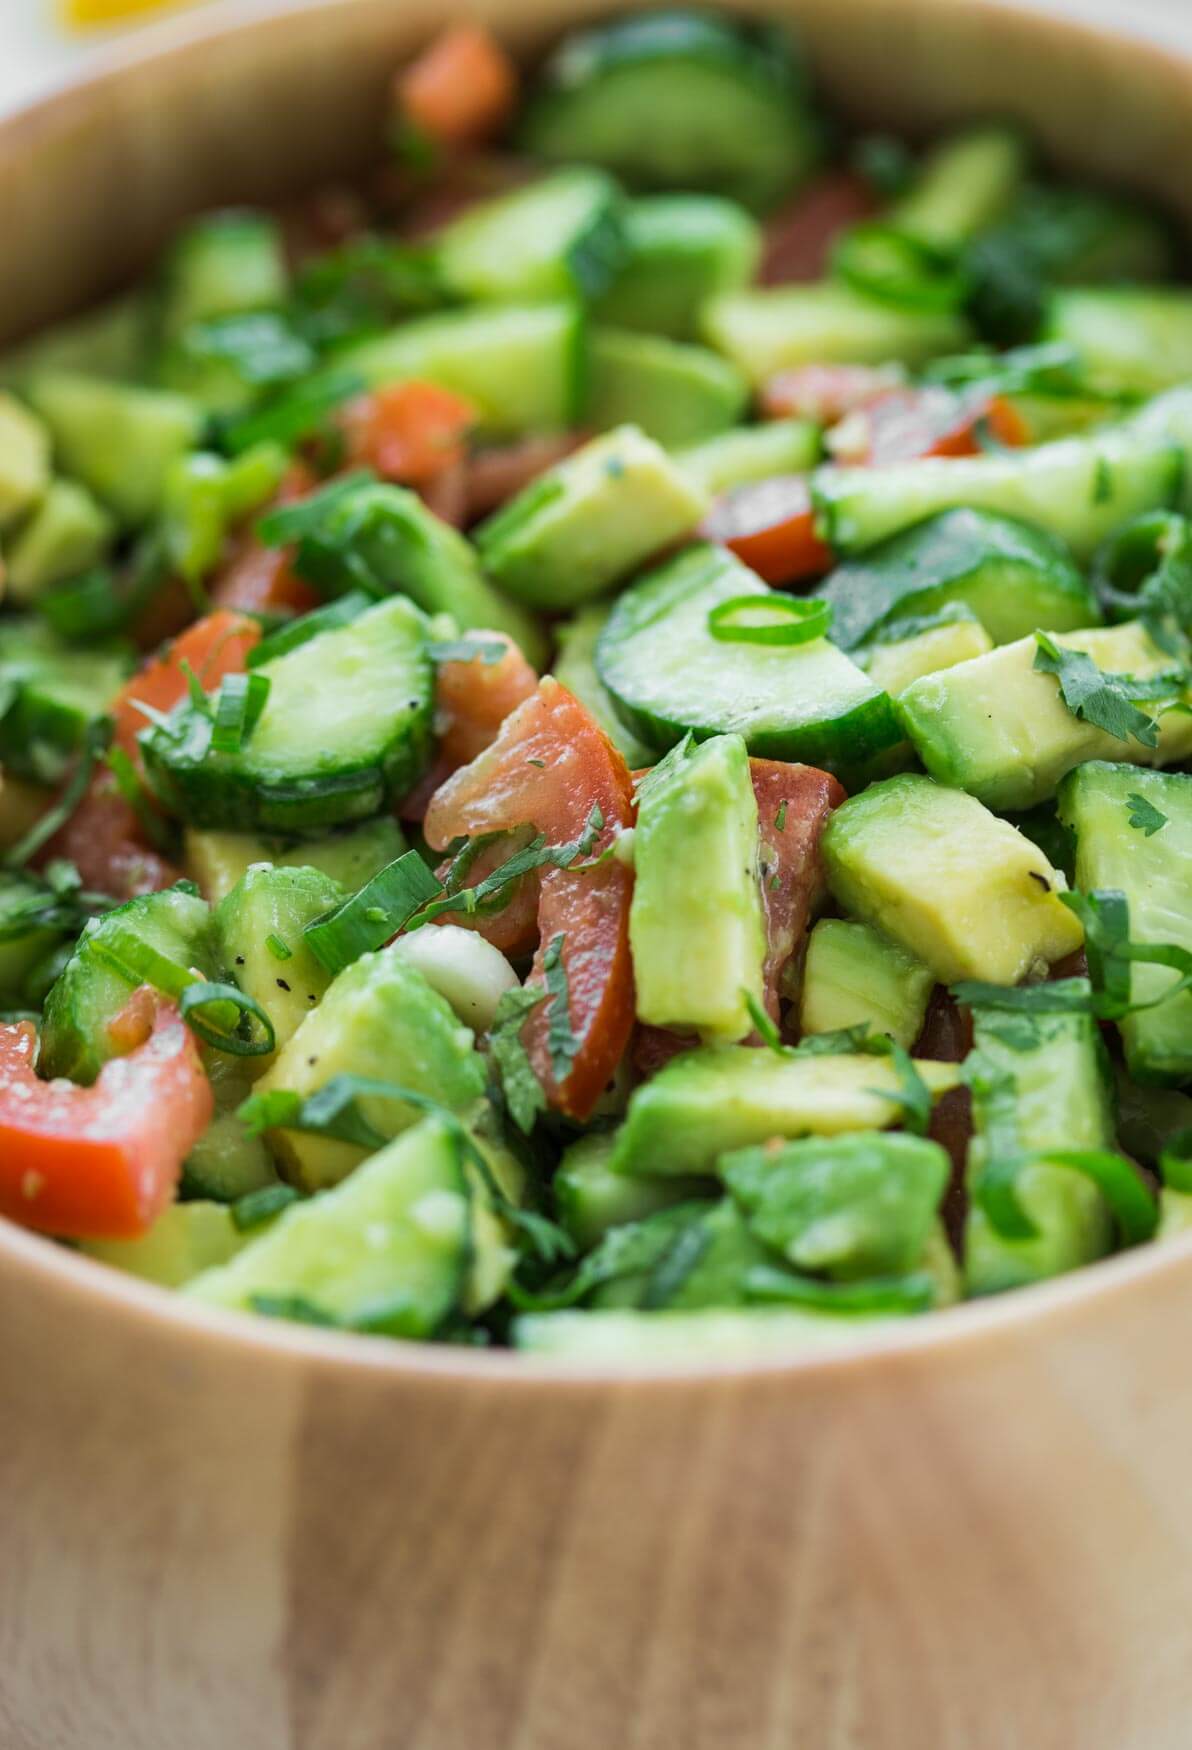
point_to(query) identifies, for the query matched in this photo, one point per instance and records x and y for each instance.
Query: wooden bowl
(217, 1534)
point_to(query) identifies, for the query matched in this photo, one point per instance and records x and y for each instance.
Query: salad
(595, 729)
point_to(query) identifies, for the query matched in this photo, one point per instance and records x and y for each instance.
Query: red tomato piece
(947, 1036)
(793, 805)
(256, 579)
(906, 424)
(473, 698)
(798, 239)
(550, 766)
(826, 393)
(213, 647)
(447, 495)
(461, 90)
(770, 526)
(409, 432)
(105, 840)
(99, 1162)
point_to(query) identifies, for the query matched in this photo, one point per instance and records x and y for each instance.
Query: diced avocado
(696, 926)
(68, 532)
(259, 938)
(589, 522)
(102, 974)
(854, 976)
(117, 439)
(217, 860)
(386, 1251)
(186, 1240)
(55, 691)
(953, 635)
(720, 1250)
(627, 1338)
(379, 1018)
(223, 264)
(24, 459)
(1127, 339)
(842, 1206)
(1134, 834)
(575, 668)
(676, 392)
(591, 1198)
(934, 869)
(1014, 578)
(751, 452)
(106, 341)
(722, 1097)
(999, 728)
(1040, 1081)
(764, 331)
(680, 250)
(560, 236)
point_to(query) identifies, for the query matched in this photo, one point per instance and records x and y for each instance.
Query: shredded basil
(562, 1043)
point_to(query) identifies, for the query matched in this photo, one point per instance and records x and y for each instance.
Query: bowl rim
(952, 1332)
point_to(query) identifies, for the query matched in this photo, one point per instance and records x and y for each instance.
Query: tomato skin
(770, 526)
(826, 393)
(802, 797)
(906, 424)
(106, 842)
(473, 698)
(256, 579)
(215, 646)
(799, 237)
(99, 1162)
(461, 90)
(549, 766)
(408, 432)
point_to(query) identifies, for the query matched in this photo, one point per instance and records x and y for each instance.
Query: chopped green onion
(767, 1032)
(899, 268)
(301, 630)
(238, 708)
(278, 948)
(199, 996)
(369, 918)
(769, 619)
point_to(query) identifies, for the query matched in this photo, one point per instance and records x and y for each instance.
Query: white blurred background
(38, 50)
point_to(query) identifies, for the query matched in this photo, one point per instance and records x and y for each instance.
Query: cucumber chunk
(854, 976)
(55, 690)
(69, 532)
(183, 1242)
(956, 886)
(777, 328)
(575, 668)
(1078, 489)
(387, 1251)
(680, 250)
(379, 1018)
(217, 860)
(627, 1338)
(591, 1198)
(590, 521)
(678, 394)
(560, 237)
(524, 366)
(951, 636)
(346, 726)
(91, 990)
(117, 439)
(722, 1097)
(679, 100)
(667, 674)
(751, 452)
(1015, 578)
(24, 459)
(1100, 803)
(999, 728)
(1127, 340)
(223, 264)
(258, 933)
(696, 927)
(1061, 1099)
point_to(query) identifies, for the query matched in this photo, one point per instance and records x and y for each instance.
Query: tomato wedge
(461, 90)
(550, 766)
(474, 697)
(105, 840)
(798, 239)
(408, 432)
(906, 424)
(256, 579)
(826, 393)
(99, 1162)
(793, 805)
(213, 647)
(770, 526)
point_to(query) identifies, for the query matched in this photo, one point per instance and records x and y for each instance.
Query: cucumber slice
(1079, 489)
(775, 329)
(24, 459)
(387, 1251)
(68, 533)
(752, 452)
(667, 674)
(1127, 340)
(679, 100)
(1015, 578)
(678, 394)
(347, 725)
(575, 668)
(680, 250)
(54, 692)
(90, 992)
(523, 365)
(561, 237)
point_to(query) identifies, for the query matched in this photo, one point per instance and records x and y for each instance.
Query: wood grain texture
(221, 1535)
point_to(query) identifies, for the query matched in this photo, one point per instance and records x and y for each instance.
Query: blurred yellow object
(81, 13)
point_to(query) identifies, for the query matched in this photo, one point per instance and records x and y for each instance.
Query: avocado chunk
(956, 886)
(24, 459)
(591, 1198)
(854, 976)
(379, 1018)
(217, 860)
(777, 328)
(259, 937)
(999, 727)
(574, 667)
(842, 1206)
(696, 927)
(106, 341)
(589, 522)
(954, 635)
(68, 533)
(118, 440)
(680, 250)
(185, 1240)
(723, 1097)
(55, 692)
(386, 1251)
(751, 452)
(1040, 1081)
(1134, 834)
(678, 393)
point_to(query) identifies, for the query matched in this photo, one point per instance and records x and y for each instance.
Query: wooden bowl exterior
(224, 1535)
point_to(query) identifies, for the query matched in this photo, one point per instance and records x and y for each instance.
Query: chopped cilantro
(1144, 815)
(1104, 700)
